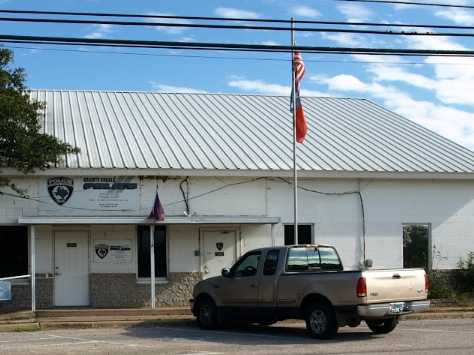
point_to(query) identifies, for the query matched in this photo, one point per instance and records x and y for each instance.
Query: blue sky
(437, 92)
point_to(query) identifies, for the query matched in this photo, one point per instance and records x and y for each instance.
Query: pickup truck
(308, 282)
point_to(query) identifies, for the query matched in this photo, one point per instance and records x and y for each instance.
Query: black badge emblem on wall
(101, 250)
(60, 189)
(219, 245)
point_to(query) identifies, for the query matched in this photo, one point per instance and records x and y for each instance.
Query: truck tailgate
(395, 285)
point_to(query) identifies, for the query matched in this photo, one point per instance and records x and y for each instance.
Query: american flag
(157, 212)
(301, 124)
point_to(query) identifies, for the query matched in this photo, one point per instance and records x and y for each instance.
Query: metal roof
(144, 130)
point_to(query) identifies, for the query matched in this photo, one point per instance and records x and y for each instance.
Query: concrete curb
(439, 315)
(20, 327)
(124, 321)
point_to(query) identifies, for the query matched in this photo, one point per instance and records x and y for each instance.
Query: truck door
(239, 292)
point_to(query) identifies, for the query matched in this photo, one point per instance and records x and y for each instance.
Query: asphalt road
(450, 336)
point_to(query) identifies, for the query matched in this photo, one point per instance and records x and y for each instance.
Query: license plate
(397, 307)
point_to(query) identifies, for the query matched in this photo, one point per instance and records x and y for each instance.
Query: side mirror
(368, 263)
(225, 272)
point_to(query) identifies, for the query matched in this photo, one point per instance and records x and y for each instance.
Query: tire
(206, 314)
(321, 321)
(382, 326)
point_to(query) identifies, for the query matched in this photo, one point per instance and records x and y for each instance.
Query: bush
(464, 276)
(440, 284)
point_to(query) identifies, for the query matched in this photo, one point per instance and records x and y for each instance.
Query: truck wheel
(321, 321)
(206, 314)
(382, 326)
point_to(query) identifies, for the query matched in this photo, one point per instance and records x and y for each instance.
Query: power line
(231, 46)
(234, 27)
(417, 3)
(235, 58)
(234, 19)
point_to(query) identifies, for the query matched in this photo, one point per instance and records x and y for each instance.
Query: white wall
(447, 205)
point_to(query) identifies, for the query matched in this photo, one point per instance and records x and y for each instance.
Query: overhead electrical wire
(233, 19)
(240, 27)
(416, 3)
(230, 46)
(86, 51)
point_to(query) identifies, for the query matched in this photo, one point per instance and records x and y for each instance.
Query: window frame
(430, 242)
(158, 279)
(312, 225)
(241, 259)
(278, 251)
(285, 270)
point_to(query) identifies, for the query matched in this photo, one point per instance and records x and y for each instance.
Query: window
(143, 242)
(416, 245)
(312, 259)
(271, 262)
(305, 234)
(329, 259)
(247, 266)
(13, 251)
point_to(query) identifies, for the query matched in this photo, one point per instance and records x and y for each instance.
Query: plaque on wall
(112, 251)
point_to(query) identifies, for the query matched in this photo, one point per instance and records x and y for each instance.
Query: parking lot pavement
(183, 337)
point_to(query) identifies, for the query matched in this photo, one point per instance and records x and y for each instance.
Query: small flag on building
(301, 124)
(157, 212)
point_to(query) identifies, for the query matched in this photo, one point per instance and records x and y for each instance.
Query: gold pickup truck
(308, 282)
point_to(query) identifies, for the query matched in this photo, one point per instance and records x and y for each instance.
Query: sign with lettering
(103, 195)
(113, 251)
(5, 291)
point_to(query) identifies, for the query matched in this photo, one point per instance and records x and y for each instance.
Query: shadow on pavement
(186, 330)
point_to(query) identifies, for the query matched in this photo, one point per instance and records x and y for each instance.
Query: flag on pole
(157, 212)
(301, 124)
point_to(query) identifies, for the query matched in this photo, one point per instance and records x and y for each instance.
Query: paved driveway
(183, 337)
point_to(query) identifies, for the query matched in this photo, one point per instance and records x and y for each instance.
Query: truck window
(247, 266)
(297, 260)
(329, 259)
(271, 262)
(312, 259)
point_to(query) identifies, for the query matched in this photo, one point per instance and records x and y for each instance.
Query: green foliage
(440, 285)
(455, 284)
(22, 146)
(464, 276)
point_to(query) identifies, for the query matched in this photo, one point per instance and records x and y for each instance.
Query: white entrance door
(218, 249)
(71, 262)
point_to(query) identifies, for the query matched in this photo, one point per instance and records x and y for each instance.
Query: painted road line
(436, 330)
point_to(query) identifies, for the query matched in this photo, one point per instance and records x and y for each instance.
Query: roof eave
(330, 174)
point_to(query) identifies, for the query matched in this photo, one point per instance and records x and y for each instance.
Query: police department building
(221, 166)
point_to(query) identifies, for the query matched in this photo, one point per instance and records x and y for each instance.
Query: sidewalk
(114, 318)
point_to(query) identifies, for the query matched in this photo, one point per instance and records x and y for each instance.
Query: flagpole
(293, 98)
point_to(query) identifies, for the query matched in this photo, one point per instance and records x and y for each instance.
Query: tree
(22, 146)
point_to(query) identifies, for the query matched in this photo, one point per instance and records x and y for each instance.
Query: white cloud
(100, 31)
(262, 87)
(270, 43)
(355, 12)
(175, 89)
(426, 42)
(450, 122)
(459, 16)
(344, 39)
(230, 12)
(389, 72)
(305, 11)
(168, 29)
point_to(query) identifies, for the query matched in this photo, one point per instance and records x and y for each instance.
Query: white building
(222, 166)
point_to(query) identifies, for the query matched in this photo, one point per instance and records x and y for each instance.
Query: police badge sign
(60, 189)
(101, 250)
